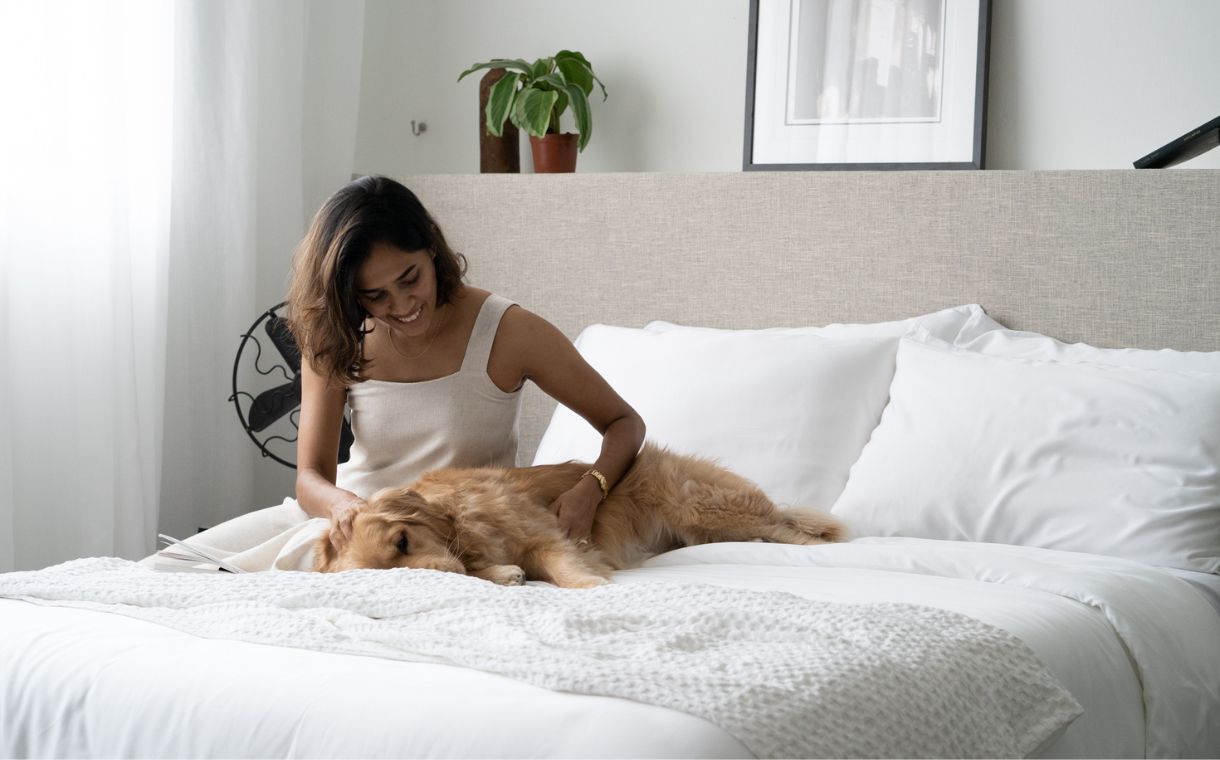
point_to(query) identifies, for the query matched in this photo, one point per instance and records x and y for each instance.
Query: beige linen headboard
(1113, 258)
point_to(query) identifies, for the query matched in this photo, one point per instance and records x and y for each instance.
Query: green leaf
(599, 84)
(573, 55)
(534, 95)
(580, 110)
(561, 104)
(552, 82)
(542, 67)
(515, 64)
(500, 102)
(532, 110)
(576, 72)
(574, 58)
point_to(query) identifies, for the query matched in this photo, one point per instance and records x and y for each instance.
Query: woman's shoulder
(514, 316)
(525, 346)
(466, 305)
(525, 330)
(470, 298)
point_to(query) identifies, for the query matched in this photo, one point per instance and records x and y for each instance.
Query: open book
(179, 556)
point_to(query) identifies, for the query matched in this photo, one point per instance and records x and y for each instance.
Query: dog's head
(398, 528)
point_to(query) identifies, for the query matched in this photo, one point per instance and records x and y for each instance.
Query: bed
(1006, 383)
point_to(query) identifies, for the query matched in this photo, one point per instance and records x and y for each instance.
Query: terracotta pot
(554, 153)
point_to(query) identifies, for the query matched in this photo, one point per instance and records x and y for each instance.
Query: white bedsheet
(1207, 584)
(82, 683)
(880, 680)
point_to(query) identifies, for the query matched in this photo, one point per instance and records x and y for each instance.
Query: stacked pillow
(951, 324)
(789, 408)
(990, 338)
(1014, 437)
(945, 426)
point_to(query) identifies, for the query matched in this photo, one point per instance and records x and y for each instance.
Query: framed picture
(866, 84)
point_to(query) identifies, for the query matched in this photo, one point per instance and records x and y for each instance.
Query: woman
(431, 367)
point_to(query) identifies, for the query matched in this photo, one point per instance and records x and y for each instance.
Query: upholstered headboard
(1114, 258)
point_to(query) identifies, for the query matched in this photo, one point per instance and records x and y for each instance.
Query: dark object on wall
(272, 415)
(497, 155)
(831, 84)
(1196, 141)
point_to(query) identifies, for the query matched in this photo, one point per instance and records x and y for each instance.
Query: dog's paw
(511, 575)
(443, 564)
(504, 575)
(591, 581)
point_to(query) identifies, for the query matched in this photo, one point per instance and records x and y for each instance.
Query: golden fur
(494, 523)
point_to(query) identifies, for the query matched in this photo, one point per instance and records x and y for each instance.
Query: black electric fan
(271, 416)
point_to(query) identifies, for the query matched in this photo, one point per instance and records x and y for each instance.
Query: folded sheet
(1167, 629)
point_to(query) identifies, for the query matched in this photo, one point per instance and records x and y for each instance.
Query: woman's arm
(320, 421)
(536, 350)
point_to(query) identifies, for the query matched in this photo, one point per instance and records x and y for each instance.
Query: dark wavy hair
(324, 311)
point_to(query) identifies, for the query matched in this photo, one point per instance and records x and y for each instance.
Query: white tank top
(403, 430)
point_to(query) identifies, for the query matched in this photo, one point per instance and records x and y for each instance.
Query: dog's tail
(818, 525)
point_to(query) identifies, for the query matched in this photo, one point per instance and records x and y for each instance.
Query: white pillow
(1084, 457)
(818, 428)
(790, 412)
(945, 324)
(1030, 345)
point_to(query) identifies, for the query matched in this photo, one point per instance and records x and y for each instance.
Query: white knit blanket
(787, 676)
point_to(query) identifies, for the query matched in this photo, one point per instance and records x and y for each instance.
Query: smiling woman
(431, 368)
(372, 251)
(406, 303)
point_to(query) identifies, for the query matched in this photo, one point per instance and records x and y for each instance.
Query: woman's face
(398, 288)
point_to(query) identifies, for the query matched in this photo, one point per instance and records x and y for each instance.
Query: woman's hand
(576, 508)
(342, 514)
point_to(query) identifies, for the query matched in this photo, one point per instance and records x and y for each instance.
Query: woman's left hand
(576, 508)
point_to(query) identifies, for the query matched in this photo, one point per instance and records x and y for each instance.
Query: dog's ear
(409, 506)
(396, 500)
(435, 514)
(323, 553)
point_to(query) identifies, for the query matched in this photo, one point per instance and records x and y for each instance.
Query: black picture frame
(971, 156)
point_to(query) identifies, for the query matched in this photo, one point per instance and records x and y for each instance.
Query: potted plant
(534, 95)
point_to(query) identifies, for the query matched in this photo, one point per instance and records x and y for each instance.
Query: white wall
(1096, 84)
(674, 70)
(1075, 84)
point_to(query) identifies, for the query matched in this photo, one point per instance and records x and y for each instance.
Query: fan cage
(238, 395)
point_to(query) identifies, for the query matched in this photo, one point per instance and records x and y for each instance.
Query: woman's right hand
(342, 515)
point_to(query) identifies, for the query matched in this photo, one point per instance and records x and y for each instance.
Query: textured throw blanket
(787, 676)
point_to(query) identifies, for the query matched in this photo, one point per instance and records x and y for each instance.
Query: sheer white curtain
(84, 232)
(158, 161)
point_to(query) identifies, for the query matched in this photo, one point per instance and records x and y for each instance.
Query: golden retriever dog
(495, 523)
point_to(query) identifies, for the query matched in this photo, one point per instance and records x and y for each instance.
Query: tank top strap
(478, 350)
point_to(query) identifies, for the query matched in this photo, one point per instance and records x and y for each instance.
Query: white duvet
(1096, 623)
